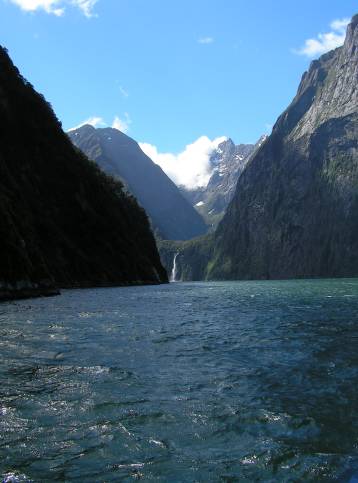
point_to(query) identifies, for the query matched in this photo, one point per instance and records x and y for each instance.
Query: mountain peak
(227, 142)
(84, 128)
(354, 21)
(351, 41)
(227, 162)
(294, 210)
(224, 148)
(327, 90)
(120, 156)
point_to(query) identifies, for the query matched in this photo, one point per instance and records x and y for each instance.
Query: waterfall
(174, 269)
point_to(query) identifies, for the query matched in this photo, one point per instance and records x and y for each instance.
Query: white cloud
(86, 6)
(190, 168)
(206, 40)
(49, 6)
(340, 24)
(56, 7)
(122, 124)
(327, 41)
(96, 121)
(92, 121)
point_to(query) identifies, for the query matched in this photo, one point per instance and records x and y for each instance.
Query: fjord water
(244, 381)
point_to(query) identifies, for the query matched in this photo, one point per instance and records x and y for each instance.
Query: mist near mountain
(227, 162)
(294, 212)
(171, 215)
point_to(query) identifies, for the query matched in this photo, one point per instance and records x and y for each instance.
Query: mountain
(294, 213)
(115, 153)
(63, 223)
(227, 163)
(192, 257)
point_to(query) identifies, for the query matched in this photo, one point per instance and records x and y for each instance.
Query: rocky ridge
(118, 155)
(227, 163)
(294, 213)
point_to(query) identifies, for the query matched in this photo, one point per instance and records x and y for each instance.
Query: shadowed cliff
(172, 216)
(295, 209)
(63, 222)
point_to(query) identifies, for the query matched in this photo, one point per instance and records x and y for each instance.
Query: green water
(189, 382)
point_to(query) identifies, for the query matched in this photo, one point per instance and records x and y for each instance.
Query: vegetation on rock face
(62, 221)
(295, 209)
(294, 213)
(117, 154)
(193, 257)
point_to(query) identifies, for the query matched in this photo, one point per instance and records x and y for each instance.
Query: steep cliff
(63, 223)
(192, 257)
(117, 154)
(227, 163)
(294, 213)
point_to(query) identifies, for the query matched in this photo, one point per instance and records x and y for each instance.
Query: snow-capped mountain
(227, 162)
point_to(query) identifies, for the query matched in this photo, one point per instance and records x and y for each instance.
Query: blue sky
(169, 71)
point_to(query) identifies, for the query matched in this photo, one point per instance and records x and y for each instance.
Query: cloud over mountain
(327, 41)
(190, 168)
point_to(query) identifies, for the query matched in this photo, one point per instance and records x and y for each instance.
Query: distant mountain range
(294, 212)
(63, 222)
(118, 155)
(292, 199)
(227, 163)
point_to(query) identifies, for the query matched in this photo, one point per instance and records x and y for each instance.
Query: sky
(176, 75)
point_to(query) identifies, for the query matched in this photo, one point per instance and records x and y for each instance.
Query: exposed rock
(294, 213)
(227, 163)
(117, 154)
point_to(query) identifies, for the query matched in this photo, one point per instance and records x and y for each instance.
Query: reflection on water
(245, 381)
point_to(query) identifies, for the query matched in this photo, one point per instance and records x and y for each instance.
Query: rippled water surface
(244, 381)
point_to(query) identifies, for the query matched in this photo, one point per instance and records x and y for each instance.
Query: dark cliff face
(115, 153)
(227, 162)
(62, 221)
(192, 257)
(295, 211)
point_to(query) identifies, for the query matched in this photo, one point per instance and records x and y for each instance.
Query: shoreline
(10, 294)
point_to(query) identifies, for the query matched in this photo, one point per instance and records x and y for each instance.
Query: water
(189, 382)
(174, 269)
